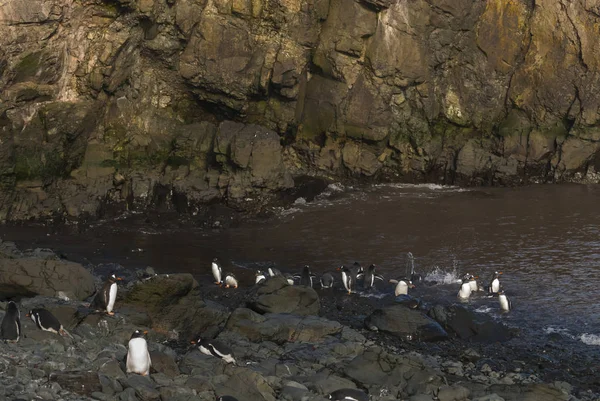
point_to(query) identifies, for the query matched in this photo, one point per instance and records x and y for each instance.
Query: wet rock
(453, 393)
(164, 363)
(37, 276)
(84, 383)
(406, 323)
(490, 397)
(277, 296)
(246, 384)
(469, 325)
(280, 327)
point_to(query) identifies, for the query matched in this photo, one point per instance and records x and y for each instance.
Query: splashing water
(441, 276)
(590, 339)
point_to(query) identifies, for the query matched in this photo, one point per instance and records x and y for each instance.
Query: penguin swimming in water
(472, 281)
(327, 280)
(217, 271)
(410, 269)
(348, 394)
(357, 270)
(10, 329)
(465, 289)
(216, 349)
(138, 357)
(227, 398)
(46, 321)
(230, 281)
(105, 298)
(505, 303)
(371, 276)
(402, 286)
(494, 286)
(260, 277)
(348, 278)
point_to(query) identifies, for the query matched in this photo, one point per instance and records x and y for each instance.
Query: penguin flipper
(379, 277)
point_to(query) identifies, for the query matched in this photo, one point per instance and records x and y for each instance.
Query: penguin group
(10, 328)
(352, 277)
(469, 286)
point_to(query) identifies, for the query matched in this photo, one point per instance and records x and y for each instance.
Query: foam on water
(590, 339)
(431, 187)
(442, 276)
(484, 309)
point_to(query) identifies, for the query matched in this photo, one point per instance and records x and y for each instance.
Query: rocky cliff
(180, 103)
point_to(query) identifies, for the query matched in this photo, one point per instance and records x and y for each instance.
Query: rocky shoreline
(290, 343)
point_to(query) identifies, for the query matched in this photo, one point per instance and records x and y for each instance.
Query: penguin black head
(373, 266)
(113, 278)
(216, 260)
(12, 307)
(226, 398)
(138, 334)
(306, 268)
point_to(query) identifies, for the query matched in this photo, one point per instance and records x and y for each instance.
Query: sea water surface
(544, 238)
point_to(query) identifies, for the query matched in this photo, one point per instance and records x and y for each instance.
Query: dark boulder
(277, 296)
(405, 323)
(469, 325)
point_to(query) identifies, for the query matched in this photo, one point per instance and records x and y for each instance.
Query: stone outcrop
(277, 296)
(406, 323)
(27, 276)
(175, 104)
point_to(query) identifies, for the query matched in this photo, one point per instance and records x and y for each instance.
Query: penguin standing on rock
(348, 278)
(348, 394)
(306, 278)
(327, 280)
(230, 281)
(217, 271)
(505, 303)
(371, 276)
(10, 329)
(260, 277)
(402, 286)
(105, 298)
(216, 349)
(46, 321)
(138, 357)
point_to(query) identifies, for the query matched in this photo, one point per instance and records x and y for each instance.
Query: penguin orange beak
(120, 278)
(145, 331)
(413, 286)
(500, 273)
(192, 342)
(27, 315)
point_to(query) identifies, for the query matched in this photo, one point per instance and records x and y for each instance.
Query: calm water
(546, 240)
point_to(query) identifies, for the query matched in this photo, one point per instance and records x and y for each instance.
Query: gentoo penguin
(227, 398)
(472, 281)
(348, 278)
(410, 269)
(46, 321)
(290, 279)
(260, 277)
(215, 348)
(465, 289)
(505, 303)
(348, 394)
(274, 272)
(371, 276)
(217, 271)
(327, 280)
(357, 270)
(10, 330)
(494, 286)
(402, 286)
(230, 281)
(306, 278)
(105, 298)
(138, 357)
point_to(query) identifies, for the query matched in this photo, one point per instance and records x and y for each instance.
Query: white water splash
(372, 295)
(559, 330)
(431, 187)
(590, 339)
(484, 309)
(442, 276)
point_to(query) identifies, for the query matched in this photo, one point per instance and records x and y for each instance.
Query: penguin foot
(110, 313)
(227, 286)
(217, 283)
(235, 286)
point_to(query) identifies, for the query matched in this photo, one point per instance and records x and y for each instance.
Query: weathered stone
(164, 363)
(469, 325)
(33, 276)
(280, 327)
(84, 383)
(277, 296)
(406, 323)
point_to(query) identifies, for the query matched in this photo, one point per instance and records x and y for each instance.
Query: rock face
(406, 323)
(174, 104)
(29, 276)
(277, 296)
(469, 325)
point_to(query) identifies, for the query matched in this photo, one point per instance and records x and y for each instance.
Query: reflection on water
(545, 239)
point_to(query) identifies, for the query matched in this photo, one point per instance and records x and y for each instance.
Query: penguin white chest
(346, 281)
(401, 288)
(504, 303)
(216, 271)
(473, 284)
(112, 296)
(138, 357)
(465, 291)
(495, 285)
